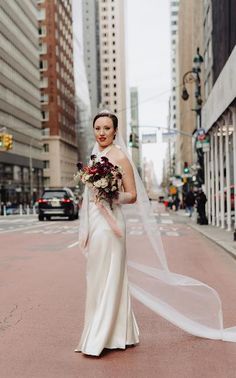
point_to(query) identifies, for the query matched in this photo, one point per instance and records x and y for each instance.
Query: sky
(148, 68)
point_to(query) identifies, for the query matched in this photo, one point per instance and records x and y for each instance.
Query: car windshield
(55, 194)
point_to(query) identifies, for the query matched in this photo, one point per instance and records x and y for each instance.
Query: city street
(42, 290)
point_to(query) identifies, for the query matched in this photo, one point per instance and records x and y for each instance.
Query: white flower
(114, 188)
(77, 178)
(97, 184)
(85, 178)
(102, 183)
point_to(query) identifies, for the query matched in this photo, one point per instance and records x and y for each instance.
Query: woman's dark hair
(109, 115)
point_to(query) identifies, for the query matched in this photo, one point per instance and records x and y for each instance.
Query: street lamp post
(194, 75)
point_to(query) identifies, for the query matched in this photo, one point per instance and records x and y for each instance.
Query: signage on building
(168, 136)
(149, 138)
(201, 135)
(202, 141)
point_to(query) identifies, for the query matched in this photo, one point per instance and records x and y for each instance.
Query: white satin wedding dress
(109, 319)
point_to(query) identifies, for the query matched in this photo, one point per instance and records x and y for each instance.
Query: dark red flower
(79, 165)
(93, 170)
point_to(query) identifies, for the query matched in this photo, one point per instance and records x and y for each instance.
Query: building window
(46, 147)
(43, 65)
(44, 82)
(42, 31)
(41, 14)
(45, 115)
(46, 164)
(42, 48)
(44, 98)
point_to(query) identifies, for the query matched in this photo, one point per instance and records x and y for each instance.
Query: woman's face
(104, 131)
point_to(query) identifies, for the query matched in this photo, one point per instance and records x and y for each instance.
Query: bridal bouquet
(102, 177)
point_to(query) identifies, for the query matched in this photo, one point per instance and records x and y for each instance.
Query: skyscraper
(170, 157)
(104, 46)
(135, 143)
(57, 92)
(174, 9)
(20, 168)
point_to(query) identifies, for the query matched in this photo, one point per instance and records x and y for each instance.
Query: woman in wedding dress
(109, 319)
(186, 302)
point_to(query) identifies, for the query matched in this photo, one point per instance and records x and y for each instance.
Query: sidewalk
(220, 236)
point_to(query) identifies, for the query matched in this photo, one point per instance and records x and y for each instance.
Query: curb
(221, 244)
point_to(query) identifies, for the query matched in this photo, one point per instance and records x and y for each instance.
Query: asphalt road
(42, 293)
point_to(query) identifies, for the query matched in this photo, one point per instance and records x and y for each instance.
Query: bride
(186, 302)
(109, 319)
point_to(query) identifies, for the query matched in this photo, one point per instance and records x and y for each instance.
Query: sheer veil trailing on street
(184, 301)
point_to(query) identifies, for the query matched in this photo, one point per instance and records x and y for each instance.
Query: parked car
(57, 202)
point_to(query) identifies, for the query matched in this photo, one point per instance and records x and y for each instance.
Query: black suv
(57, 202)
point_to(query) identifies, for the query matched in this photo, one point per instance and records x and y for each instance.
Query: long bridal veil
(186, 302)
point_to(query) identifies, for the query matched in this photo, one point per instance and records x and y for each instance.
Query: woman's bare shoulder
(120, 155)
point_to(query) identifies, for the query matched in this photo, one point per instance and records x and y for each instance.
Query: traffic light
(130, 139)
(7, 141)
(1, 140)
(186, 167)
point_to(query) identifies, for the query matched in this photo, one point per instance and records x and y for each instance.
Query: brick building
(57, 92)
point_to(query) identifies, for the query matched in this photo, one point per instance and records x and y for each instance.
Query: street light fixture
(193, 75)
(185, 94)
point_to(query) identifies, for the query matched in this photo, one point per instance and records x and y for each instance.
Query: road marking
(23, 228)
(136, 232)
(73, 244)
(167, 221)
(172, 233)
(165, 215)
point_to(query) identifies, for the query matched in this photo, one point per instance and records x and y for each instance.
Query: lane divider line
(73, 244)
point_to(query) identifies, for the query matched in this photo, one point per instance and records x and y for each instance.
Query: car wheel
(40, 217)
(71, 217)
(77, 215)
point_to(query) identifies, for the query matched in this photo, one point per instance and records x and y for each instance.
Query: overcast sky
(148, 66)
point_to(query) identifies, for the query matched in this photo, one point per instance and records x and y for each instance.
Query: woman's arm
(129, 195)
